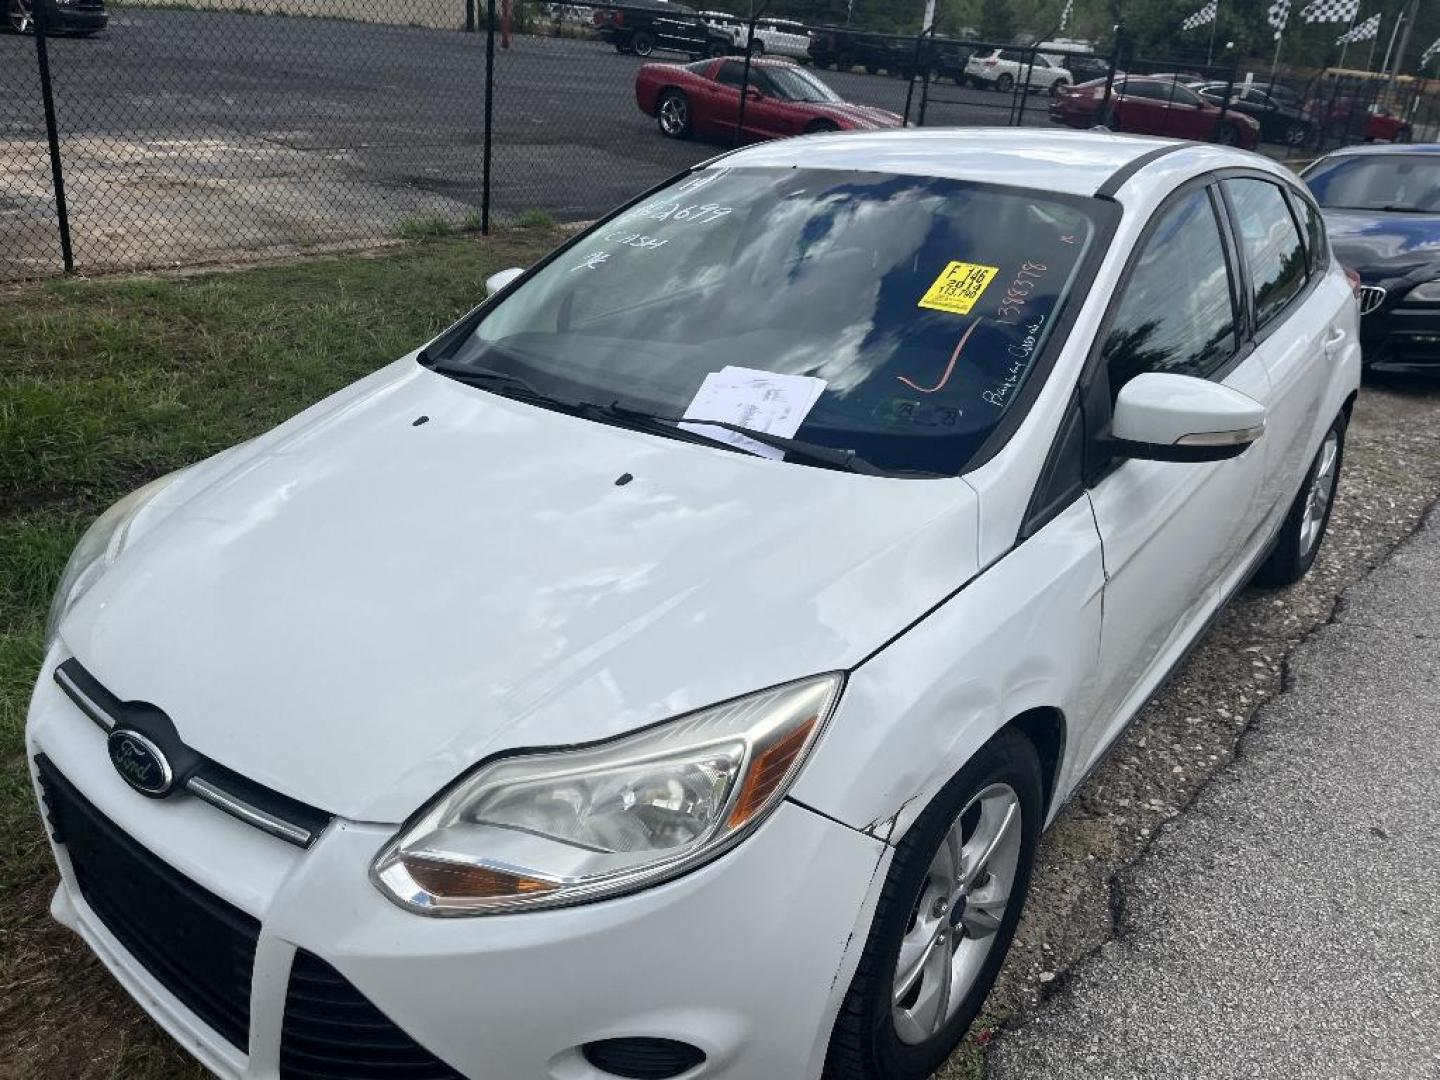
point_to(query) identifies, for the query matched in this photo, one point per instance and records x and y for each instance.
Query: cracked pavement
(1287, 924)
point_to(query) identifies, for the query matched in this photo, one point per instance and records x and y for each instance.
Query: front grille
(1371, 297)
(196, 945)
(333, 1032)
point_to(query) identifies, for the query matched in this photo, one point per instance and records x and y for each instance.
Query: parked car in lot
(77, 18)
(1149, 106)
(784, 99)
(842, 48)
(1349, 117)
(1004, 69)
(642, 26)
(1382, 206)
(716, 616)
(779, 37)
(1279, 122)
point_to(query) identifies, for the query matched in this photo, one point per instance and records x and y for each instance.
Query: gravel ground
(1190, 731)
(1288, 924)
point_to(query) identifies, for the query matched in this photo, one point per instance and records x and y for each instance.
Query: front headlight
(562, 827)
(98, 548)
(1426, 293)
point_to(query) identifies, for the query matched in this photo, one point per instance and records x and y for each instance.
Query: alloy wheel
(961, 906)
(674, 115)
(21, 16)
(1296, 134)
(1322, 490)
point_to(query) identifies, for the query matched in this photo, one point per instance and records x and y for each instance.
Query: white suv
(779, 37)
(1003, 69)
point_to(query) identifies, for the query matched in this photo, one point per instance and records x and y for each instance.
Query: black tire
(757, 48)
(20, 16)
(1297, 134)
(1005, 83)
(717, 49)
(672, 111)
(1057, 86)
(817, 126)
(864, 1044)
(622, 47)
(1294, 553)
(1227, 135)
(642, 43)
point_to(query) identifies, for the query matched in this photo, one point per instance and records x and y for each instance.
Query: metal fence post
(745, 77)
(489, 114)
(469, 16)
(1229, 89)
(910, 83)
(1115, 54)
(52, 134)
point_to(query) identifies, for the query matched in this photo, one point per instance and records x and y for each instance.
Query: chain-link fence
(202, 130)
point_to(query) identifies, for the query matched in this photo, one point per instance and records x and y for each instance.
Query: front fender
(1024, 634)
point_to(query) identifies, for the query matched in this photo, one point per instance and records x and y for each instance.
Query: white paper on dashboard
(758, 400)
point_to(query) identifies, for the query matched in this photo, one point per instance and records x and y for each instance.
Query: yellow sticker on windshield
(958, 287)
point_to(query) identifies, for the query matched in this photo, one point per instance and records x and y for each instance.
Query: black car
(642, 26)
(842, 48)
(1280, 121)
(1382, 210)
(1085, 67)
(79, 18)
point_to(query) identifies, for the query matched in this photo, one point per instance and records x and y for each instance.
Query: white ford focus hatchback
(669, 670)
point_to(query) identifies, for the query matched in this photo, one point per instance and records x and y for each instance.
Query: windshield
(794, 84)
(1382, 182)
(909, 310)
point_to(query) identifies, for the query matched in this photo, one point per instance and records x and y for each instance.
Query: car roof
(1069, 162)
(1373, 148)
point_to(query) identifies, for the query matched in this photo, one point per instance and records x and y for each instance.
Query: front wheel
(1227, 135)
(1058, 87)
(1005, 83)
(945, 919)
(1298, 543)
(642, 44)
(1297, 134)
(673, 112)
(20, 16)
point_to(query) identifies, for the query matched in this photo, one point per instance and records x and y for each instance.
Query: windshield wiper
(796, 449)
(507, 385)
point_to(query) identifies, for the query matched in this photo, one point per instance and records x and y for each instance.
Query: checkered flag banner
(1330, 10)
(1361, 31)
(1065, 13)
(1277, 16)
(1205, 15)
(1431, 51)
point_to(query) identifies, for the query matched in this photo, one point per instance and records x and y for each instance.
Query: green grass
(104, 385)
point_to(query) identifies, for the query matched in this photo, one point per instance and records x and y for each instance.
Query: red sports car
(1148, 106)
(703, 98)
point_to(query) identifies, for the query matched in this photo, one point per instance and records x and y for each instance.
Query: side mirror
(1159, 416)
(497, 281)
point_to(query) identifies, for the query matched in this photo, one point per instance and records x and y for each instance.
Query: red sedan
(703, 98)
(1153, 107)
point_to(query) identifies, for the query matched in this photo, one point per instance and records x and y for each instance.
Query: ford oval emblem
(140, 763)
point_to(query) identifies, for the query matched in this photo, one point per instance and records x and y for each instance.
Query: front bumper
(746, 958)
(1403, 338)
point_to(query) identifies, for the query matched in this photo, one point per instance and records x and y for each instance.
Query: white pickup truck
(778, 37)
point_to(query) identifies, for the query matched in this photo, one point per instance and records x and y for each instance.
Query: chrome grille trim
(251, 815)
(1371, 297)
(83, 701)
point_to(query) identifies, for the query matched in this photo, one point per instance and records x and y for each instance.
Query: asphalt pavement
(1287, 925)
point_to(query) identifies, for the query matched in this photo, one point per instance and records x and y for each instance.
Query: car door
(1138, 109)
(1293, 328)
(1188, 117)
(722, 98)
(768, 114)
(1172, 532)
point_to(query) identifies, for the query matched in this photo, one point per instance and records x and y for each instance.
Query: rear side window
(1317, 244)
(1176, 313)
(1271, 243)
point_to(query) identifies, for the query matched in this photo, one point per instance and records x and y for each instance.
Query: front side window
(923, 304)
(1271, 245)
(796, 84)
(1394, 182)
(1176, 313)
(731, 73)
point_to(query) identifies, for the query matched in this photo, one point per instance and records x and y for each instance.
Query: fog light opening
(642, 1057)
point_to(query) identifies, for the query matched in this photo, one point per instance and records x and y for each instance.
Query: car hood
(859, 116)
(357, 607)
(1386, 249)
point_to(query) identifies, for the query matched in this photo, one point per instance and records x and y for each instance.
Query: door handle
(1335, 337)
